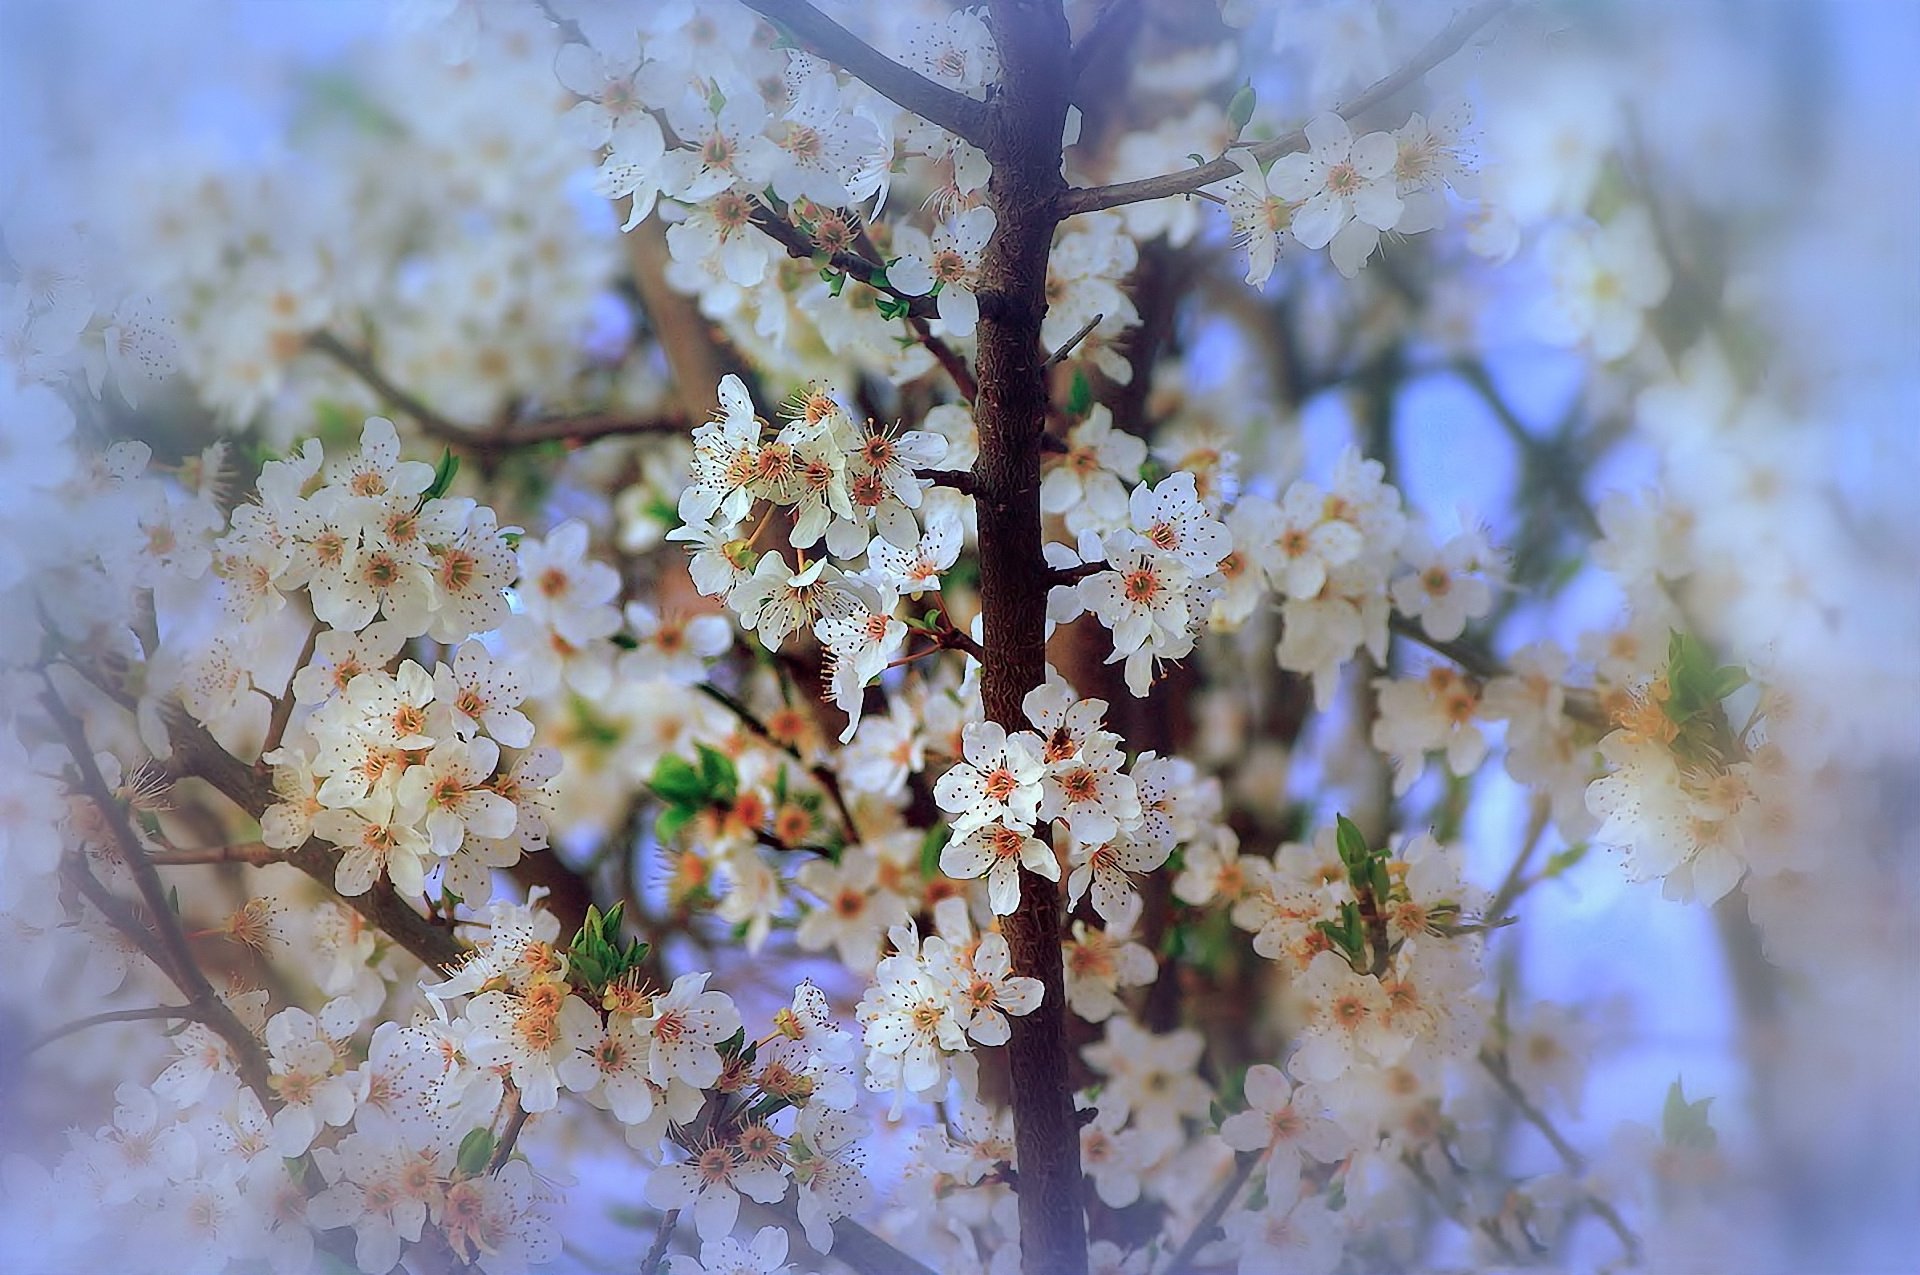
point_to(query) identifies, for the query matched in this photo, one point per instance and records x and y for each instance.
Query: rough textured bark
(1023, 143)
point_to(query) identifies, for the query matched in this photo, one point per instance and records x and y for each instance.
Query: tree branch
(873, 274)
(251, 789)
(822, 775)
(182, 1013)
(1243, 1166)
(249, 1057)
(1496, 1067)
(1011, 412)
(1437, 50)
(820, 35)
(483, 441)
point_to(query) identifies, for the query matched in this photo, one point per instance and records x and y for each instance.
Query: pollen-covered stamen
(1141, 585)
(775, 464)
(402, 526)
(950, 267)
(1349, 1011)
(1164, 536)
(670, 1026)
(835, 233)
(1080, 784)
(759, 1145)
(1091, 959)
(715, 1164)
(457, 570)
(330, 547)
(409, 720)
(1000, 784)
(731, 212)
(803, 142)
(717, 151)
(817, 476)
(741, 468)
(1005, 843)
(1343, 179)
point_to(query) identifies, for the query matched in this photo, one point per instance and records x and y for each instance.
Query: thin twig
(517, 1121)
(822, 775)
(254, 853)
(249, 1057)
(184, 1013)
(1576, 1163)
(1243, 1166)
(283, 707)
(487, 441)
(1059, 355)
(1437, 50)
(662, 1240)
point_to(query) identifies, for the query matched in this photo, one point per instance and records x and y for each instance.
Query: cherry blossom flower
(311, 1092)
(1000, 780)
(1087, 483)
(989, 990)
(612, 1071)
(828, 1170)
(451, 784)
(476, 693)
(1603, 282)
(1286, 1125)
(381, 837)
(1299, 1234)
(1101, 962)
(683, 1029)
(533, 1035)
(950, 261)
(1107, 868)
(711, 1184)
(1347, 186)
(998, 852)
(1450, 584)
(766, 1254)
(1089, 793)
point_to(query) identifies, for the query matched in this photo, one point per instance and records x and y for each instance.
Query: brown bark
(1023, 143)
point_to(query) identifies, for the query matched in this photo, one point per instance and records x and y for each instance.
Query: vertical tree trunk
(1024, 146)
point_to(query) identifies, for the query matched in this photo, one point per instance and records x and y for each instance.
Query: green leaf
(1378, 880)
(1684, 1124)
(930, 847)
(892, 308)
(677, 782)
(1080, 395)
(717, 773)
(476, 1152)
(1240, 109)
(1352, 845)
(1562, 860)
(442, 475)
(667, 827)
